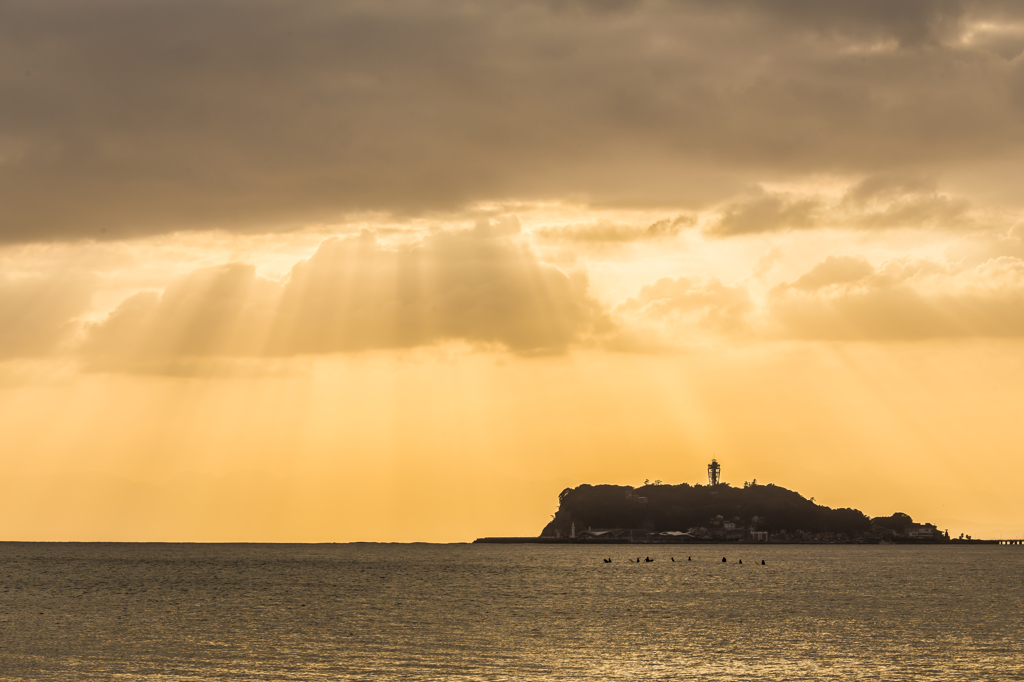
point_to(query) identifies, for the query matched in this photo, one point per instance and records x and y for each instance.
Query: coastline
(543, 540)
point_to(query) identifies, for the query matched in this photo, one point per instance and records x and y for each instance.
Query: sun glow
(284, 284)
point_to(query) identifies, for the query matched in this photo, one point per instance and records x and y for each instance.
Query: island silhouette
(717, 512)
(753, 513)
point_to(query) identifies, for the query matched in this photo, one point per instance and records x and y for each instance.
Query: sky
(357, 271)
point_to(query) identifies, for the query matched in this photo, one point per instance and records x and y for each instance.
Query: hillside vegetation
(660, 508)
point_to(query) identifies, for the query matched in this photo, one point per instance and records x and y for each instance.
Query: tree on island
(898, 522)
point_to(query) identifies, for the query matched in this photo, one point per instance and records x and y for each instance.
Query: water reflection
(205, 612)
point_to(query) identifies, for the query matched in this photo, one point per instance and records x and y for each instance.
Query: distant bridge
(1010, 542)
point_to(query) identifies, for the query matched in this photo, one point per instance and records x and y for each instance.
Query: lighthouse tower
(714, 473)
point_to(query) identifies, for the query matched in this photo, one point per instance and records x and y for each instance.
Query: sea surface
(509, 612)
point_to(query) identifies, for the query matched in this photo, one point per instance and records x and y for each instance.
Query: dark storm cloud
(127, 118)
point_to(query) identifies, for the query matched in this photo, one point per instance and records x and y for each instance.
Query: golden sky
(403, 271)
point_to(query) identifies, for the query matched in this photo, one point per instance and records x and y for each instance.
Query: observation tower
(714, 473)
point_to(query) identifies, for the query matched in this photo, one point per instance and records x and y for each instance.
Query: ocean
(509, 612)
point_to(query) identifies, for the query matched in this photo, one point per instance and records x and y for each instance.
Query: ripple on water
(427, 612)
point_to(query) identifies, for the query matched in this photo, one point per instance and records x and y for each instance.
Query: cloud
(842, 298)
(766, 262)
(37, 314)
(705, 304)
(834, 270)
(893, 201)
(1005, 38)
(223, 310)
(610, 232)
(876, 202)
(124, 119)
(846, 298)
(910, 24)
(480, 286)
(888, 187)
(767, 213)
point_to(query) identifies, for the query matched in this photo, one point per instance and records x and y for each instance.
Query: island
(717, 512)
